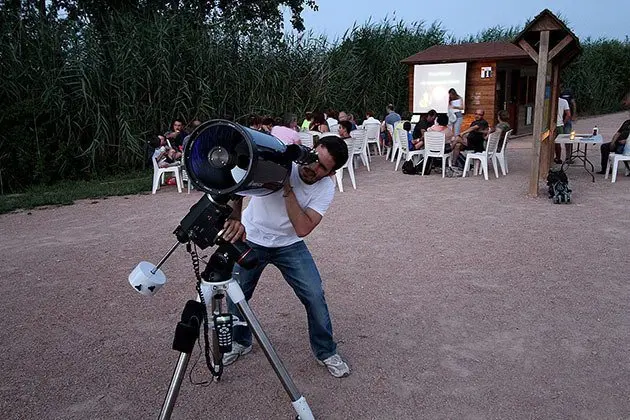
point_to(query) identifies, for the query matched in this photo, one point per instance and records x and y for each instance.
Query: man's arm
(303, 220)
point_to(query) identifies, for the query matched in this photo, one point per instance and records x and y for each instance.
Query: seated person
(503, 116)
(176, 136)
(266, 125)
(352, 121)
(422, 126)
(164, 156)
(308, 118)
(255, 122)
(287, 131)
(191, 127)
(391, 118)
(319, 123)
(345, 127)
(616, 145)
(473, 137)
(331, 117)
(442, 127)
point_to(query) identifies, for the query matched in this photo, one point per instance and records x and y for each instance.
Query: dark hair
(254, 120)
(347, 125)
(431, 113)
(337, 148)
(407, 126)
(154, 142)
(369, 114)
(318, 118)
(332, 113)
(504, 115)
(390, 107)
(453, 92)
(442, 119)
(267, 121)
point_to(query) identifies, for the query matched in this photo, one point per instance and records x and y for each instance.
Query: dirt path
(451, 298)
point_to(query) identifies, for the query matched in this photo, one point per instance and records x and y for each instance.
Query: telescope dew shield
(223, 158)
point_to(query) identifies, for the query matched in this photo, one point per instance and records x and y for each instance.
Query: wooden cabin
(499, 75)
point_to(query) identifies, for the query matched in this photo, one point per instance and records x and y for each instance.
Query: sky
(600, 18)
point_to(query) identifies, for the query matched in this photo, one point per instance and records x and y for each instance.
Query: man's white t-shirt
(266, 220)
(285, 134)
(563, 105)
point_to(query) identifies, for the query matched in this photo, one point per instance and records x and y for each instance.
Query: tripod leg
(216, 354)
(297, 400)
(173, 389)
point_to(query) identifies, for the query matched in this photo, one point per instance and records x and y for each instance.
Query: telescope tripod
(215, 283)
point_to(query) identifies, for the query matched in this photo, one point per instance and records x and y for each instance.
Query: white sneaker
(237, 351)
(336, 366)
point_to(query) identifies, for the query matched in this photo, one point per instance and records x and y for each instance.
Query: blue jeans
(299, 270)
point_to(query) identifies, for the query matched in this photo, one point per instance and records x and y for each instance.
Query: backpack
(409, 168)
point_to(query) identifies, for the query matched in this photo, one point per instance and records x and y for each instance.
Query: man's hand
(233, 231)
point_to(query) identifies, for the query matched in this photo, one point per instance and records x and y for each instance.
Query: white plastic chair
(391, 151)
(158, 173)
(349, 165)
(334, 128)
(434, 146)
(306, 138)
(484, 157)
(360, 149)
(400, 137)
(615, 158)
(373, 131)
(500, 154)
(185, 177)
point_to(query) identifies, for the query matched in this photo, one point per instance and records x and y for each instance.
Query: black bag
(410, 169)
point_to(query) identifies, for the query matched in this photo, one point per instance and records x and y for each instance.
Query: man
(423, 125)
(287, 132)
(390, 119)
(345, 127)
(563, 116)
(176, 137)
(472, 138)
(275, 225)
(616, 145)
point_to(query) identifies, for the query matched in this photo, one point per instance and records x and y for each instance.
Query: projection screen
(431, 83)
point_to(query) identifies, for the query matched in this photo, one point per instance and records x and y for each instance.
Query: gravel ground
(450, 298)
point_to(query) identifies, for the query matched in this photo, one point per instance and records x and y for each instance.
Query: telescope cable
(195, 262)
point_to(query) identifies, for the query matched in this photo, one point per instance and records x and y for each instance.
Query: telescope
(224, 160)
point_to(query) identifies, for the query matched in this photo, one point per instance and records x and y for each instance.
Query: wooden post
(548, 148)
(539, 108)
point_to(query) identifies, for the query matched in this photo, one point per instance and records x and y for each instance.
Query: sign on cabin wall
(486, 72)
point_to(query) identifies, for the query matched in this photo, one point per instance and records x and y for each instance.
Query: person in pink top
(442, 127)
(287, 132)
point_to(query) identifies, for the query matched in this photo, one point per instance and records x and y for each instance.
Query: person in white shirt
(564, 115)
(455, 111)
(274, 226)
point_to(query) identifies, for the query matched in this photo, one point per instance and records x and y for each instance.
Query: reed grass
(80, 103)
